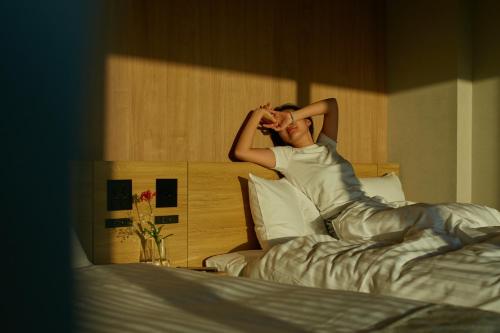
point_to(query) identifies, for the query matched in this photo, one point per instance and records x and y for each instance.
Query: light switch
(118, 223)
(166, 219)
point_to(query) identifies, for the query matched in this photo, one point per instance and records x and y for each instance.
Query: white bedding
(233, 263)
(449, 253)
(145, 298)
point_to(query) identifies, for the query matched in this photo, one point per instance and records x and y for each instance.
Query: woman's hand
(243, 149)
(265, 115)
(283, 119)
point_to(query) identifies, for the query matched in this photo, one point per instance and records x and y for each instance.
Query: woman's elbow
(331, 101)
(240, 154)
(332, 104)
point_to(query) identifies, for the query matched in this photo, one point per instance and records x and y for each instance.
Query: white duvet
(145, 298)
(445, 253)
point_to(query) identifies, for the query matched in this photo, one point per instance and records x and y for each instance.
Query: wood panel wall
(115, 245)
(181, 76)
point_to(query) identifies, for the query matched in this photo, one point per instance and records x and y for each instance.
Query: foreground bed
(145, 298)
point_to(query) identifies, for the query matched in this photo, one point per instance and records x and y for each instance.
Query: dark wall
(41, 66)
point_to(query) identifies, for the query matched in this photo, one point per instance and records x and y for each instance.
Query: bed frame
(212, 207)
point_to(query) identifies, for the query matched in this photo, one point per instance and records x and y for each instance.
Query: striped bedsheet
(447, 254)
(145, 298)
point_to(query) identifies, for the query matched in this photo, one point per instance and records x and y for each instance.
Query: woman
(321, 173)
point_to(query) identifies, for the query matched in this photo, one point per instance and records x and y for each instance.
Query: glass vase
(159, 252)
(146, 251)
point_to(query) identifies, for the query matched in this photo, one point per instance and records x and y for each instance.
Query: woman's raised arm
(244, 151)
(328, 107)
(331, 119)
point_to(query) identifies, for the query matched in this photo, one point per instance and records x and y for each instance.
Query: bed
(147, 298)
(447, 253)
(345, 284)
(425, 269)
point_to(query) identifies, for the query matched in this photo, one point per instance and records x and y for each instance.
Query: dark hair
(277, 141)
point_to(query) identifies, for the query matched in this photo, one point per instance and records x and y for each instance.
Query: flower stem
(137, 209)
(158, 245)
(150, 208)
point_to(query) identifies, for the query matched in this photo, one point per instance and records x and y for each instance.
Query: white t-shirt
(321, 173)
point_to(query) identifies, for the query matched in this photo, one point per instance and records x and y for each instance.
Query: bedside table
(211, 270)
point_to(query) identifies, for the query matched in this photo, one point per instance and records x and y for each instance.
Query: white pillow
(78, 256)
(233, 263)
(280, 211)
(388, 187)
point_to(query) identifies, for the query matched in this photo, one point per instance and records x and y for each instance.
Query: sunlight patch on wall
(362, 125)
(161, 110)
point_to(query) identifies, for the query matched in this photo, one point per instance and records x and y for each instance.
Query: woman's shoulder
(282, 155)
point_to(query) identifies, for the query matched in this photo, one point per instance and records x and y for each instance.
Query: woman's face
(295, 133)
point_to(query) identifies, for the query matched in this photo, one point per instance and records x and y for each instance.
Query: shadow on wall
(448, 40)
(486, 104)
(283, 39)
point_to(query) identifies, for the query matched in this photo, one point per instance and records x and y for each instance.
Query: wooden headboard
(212, 206)
(219, 214)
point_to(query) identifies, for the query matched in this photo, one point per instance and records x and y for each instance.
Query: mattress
(146, 298)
